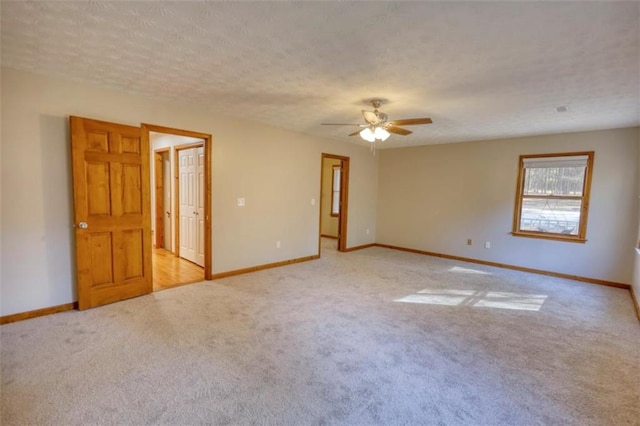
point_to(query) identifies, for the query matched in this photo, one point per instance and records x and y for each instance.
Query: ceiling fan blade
(357, 132)
(397, 130)
(370, 117)
(411, 121)
(343, 124)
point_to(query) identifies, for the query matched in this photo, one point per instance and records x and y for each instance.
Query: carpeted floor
(371, 337)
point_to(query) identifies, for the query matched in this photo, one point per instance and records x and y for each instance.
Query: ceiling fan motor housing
(376, 120)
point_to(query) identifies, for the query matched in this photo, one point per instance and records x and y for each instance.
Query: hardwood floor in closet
(171, 271)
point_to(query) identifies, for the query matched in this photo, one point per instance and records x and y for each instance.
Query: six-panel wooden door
(112, 212)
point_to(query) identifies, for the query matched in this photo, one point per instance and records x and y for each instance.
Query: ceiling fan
(378, 127)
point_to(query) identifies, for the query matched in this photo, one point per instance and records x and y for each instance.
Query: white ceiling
(480, 70)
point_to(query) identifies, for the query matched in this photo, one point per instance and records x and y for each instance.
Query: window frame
(585, 197)
(335, 168)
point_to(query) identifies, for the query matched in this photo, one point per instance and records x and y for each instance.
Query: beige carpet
(372, 337)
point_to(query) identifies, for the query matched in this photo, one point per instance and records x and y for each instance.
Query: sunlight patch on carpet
(468, 271)
(476, 298)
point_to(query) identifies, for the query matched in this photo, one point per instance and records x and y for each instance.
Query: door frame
(176, 199)
(207, 138)
(158, 176)
(344, 200)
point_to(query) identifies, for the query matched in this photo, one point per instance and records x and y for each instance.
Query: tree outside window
(552, 199)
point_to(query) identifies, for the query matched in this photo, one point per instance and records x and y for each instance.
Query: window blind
(555, 162)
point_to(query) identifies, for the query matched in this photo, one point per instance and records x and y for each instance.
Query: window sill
(556, 237)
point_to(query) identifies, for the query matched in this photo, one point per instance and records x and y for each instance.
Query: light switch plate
(241, 202)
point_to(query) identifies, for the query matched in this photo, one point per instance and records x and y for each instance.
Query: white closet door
(188, 198)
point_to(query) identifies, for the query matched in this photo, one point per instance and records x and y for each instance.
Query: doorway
(181, 206)
(334, 196)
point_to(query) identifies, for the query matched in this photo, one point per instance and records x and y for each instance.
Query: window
(552, 199)
(335, 192)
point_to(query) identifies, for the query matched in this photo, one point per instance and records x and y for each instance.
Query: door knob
(83, 225)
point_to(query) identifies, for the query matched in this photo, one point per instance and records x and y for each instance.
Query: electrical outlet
(277, 244)
(241, 202)
(313, 201)
(487, 244)
(469, 242)
(367, 231)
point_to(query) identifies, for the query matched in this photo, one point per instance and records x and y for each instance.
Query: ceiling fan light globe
(367, 135)
(381, 134)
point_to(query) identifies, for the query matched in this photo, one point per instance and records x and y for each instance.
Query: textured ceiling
(480, 70)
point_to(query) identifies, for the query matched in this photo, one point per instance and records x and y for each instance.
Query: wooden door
(158, 178)
(344, 203)
(162, 196)
(111, 193)
(188, 198)
(166, 174)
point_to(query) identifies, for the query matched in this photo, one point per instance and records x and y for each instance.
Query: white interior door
(188, 213)
(200, 205)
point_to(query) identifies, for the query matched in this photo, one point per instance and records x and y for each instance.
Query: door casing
(207, 141)
(344, 201)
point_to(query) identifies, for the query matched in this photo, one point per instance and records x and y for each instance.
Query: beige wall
(434, 198)
(1, 196)
(636, 272)
(276, 171)
(328, 223)
(430, 198)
